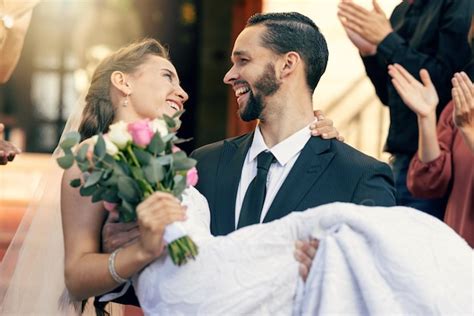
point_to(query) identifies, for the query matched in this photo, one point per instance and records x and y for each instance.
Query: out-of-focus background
(67, 38)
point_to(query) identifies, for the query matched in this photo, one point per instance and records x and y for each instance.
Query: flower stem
(132, 155)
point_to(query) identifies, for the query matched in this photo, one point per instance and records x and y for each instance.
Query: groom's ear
(288, 64)
(119, 81)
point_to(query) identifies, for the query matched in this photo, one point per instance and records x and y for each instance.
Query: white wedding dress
(371, 260)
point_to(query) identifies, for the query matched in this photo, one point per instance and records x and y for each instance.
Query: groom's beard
(265, 86)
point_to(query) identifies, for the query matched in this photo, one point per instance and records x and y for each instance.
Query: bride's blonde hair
(99, 111)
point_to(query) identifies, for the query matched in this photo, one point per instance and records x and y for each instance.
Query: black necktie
(255, 195)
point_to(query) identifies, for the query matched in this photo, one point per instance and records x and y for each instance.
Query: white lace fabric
(371, 261)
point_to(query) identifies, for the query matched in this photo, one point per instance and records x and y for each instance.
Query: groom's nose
(230, 76)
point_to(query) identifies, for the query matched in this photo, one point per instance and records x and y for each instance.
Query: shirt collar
(282, 151)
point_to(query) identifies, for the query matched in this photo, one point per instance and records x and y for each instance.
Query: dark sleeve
(450, 54)
(129, 298)
(376, 187)
(377, 73)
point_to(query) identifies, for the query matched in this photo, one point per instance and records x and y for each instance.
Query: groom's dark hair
(292, 31)
(99, 111)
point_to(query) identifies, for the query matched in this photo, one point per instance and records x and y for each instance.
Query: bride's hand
(304, 254)
(154, 214)
(324, 127)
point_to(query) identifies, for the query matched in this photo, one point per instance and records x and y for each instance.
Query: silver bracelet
(112, 271)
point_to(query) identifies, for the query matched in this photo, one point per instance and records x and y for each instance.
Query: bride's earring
(125, 102)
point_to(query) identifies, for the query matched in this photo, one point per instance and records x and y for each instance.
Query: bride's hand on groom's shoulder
(304, 254)
(324, 127)
(154, 214)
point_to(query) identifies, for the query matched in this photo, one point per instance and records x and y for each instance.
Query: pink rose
(110, 206)
(192, 177)
(175, 149)
(141, 132)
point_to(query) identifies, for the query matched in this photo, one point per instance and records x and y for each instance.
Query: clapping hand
(365, 47)
(364, 27)
(420, 97)
(463, 114)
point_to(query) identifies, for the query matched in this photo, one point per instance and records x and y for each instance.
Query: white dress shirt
(286, 154)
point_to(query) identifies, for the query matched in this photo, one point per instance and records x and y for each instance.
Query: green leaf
(128, 189)
(179, 185)
(82, 152)
(122, 168)
(93, 178)
(143, 184)
(111, 181)
(127, 212)
(97, 196)
(71, 139)
(99, 148)
(66, 161)
(84, 166)
(178, 114)
(182, 140)
(168, 138)
(107, 174)
(169, 121)
(109, 160)
(154, 172)
(110, 195)
(87, 191)
(165, 160)
(143, 156)
(182, 162)
(156, 145)
(137, 173)
(75, 183)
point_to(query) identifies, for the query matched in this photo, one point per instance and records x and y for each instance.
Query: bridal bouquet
(129, 163)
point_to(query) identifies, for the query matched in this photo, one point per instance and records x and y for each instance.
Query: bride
(250, 271)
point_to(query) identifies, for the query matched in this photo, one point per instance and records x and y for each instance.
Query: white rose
(119, 135)
(159, 126)
(110, 147)
(92, 141)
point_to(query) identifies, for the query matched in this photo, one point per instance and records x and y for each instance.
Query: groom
(278, 60)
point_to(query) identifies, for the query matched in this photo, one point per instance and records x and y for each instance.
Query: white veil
(32, 270)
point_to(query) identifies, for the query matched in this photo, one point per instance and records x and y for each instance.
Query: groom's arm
(375, 186)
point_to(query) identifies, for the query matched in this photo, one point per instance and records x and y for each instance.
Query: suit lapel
(313, 160)
(228, 178)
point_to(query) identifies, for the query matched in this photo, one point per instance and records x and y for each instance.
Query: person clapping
(443, 163)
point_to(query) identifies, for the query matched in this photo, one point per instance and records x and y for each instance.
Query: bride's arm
(86, 269)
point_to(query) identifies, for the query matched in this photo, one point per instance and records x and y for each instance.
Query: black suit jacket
(326, 171)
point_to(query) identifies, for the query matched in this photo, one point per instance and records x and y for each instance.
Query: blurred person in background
(445, 158)
(15, 18)
(419, 34)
